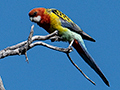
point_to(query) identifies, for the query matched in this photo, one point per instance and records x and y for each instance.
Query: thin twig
(70, 43)
(79, 69)
(26, 57)
(64, 50)
(29, 41)
(1, 84)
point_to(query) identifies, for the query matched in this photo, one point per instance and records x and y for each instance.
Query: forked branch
(23, 47)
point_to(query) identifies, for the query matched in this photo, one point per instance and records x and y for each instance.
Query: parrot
(52, 19)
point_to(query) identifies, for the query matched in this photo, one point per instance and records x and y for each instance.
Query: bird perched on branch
(53, 19)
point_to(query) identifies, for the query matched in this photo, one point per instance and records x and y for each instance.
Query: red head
(41, 17)
(36, 14)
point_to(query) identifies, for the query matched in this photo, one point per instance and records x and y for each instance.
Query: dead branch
(1, 84)
(23, 47)
(80, 69)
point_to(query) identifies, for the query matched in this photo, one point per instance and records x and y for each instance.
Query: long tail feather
(89, 60)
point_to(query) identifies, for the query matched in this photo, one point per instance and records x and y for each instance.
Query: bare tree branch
(23, 47)
(1, 85)
(80, 69)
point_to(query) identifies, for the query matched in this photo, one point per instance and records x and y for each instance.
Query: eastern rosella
(53, 19)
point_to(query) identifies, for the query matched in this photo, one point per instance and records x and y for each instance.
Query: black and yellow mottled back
(61, 15)
(68, 23)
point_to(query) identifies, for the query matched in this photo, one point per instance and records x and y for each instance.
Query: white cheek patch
(35, 19)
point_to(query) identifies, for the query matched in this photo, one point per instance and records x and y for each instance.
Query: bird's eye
(35, 13)
(32, 15)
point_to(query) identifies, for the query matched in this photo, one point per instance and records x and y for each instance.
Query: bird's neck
(45, 22)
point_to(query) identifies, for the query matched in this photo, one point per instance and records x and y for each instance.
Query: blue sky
(49, 69)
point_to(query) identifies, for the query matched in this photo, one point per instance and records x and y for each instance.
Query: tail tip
(107, 83)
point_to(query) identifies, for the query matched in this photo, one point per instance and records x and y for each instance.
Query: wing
(68, 23)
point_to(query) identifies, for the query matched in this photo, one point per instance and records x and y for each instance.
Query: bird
(52, 19)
